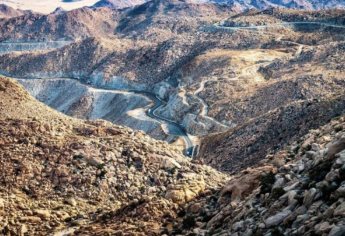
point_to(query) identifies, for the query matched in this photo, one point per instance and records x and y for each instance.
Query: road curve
(175, 128)
(179, 130)
(286, 24)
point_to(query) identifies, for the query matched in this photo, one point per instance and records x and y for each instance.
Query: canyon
(186, 79)
(173, 118)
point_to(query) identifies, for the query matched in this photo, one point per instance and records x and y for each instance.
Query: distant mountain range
(236, 5)
(240, 5)
(296, 4)
(118, 4)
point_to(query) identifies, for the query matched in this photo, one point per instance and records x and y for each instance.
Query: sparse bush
(267, 182)
(277, 193)
(188, 222)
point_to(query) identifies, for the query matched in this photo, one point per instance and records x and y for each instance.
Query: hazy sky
(46, 6)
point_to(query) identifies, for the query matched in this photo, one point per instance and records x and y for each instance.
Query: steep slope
(301, 94)
(62, 173)
(299, 191)
(249, 143)
(68, 176)
(74, 60)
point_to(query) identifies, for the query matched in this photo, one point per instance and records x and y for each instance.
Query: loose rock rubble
(299, 191)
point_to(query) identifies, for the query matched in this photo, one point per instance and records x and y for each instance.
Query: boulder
(277, 218)
(337, 231)
(340, 210)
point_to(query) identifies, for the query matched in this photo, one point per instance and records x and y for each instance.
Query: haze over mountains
(47, 6)
(297, 4)
(119, 4)
(172, 117)
(44, 6)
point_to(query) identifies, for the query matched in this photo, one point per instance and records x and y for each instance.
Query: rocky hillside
(299, 191)
(78, 23)
(213, 79)
(103, 21)
(74, 60)
(60, 173)
(249, 143)
(81, 101)
(286, 101)
(67, 176)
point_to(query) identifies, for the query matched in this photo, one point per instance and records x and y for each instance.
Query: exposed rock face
(176, 108)
(67, 176)
(44, 7)
(279, 105)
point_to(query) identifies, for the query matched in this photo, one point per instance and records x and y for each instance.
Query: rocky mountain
(104, 21)
(177, 118)
(299, 95)
(91, 50)
(243, 5)
(214, 80)
(118, 4)
(59, 25)
(63, 175)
